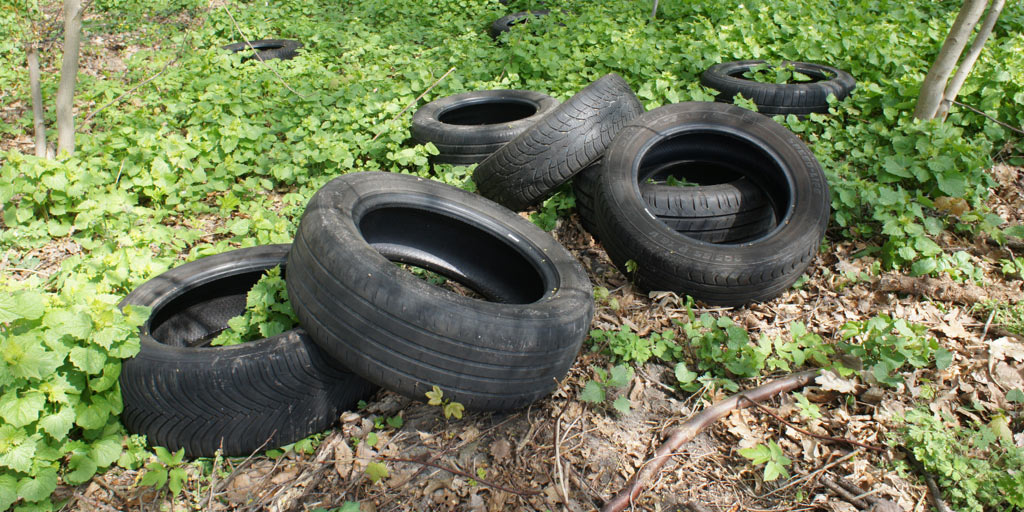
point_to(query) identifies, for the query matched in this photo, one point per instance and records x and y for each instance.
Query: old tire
(723, 207)
(408, 335)
(478, 123)
(564, 142)
(767, 154)
(772, 99)
(266, 49)
(260, 394)
(504, 23)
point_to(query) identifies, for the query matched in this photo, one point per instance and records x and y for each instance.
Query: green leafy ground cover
(215, 153)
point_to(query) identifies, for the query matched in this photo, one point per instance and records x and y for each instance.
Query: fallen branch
(481, 481)
(943, 289)
(809, 433)
(843, 493)
(693, 426)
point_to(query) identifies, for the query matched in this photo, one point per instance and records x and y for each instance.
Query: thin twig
(812, 474)
(517, 492)
(1000, 123)
(811, 434)
(245, 463)
(843, 493)
(693, 426)
(258, 57)
(418, 98)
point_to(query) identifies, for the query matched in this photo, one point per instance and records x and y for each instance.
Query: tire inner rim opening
(197, 316)
(490, 111)
(460, 251)
(709, 157)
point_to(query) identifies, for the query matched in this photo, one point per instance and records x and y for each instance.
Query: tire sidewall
(428, 127)
(628, 216)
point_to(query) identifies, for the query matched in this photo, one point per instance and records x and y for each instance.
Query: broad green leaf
(375, 471)
(19, 457)
(106, 450)
(58, 424)
(177, 478)
(40, 487)
(620, 376)
(8, 490)
(622, 405)
(943, 358)
(20, 411)
(88, 359)
(757, 454)
(1015, 395)
(592, 393)
(82, 467)
(684, 375)
(454, 409)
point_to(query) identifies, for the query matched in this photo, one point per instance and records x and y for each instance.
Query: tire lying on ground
(717, 205)
(242, 398)
(768, 155)
(504, 23)
(468, 127)
(502, 351)
(266, 49)
(792, 98)
(559, 145)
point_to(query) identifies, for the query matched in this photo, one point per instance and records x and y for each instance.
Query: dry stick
(245, 463)
(247, 43)
(418, 98)
(808, 433)
(693, 426)
(463, 473)
(1000, 123)
(843, 493)
(934, 494)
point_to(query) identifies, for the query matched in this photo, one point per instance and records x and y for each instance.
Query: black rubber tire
(408, 335)
(478, 122)
(571, 137)
(773, 99)
(259, 394)
(504, 23)
(728, 209)
(266, 49)
(769, 155)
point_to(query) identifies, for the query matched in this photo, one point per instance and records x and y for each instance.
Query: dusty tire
(478, 123)
(266, 49)
(769, 155)
(409, 335)
(724, 207)
(564, 142)
(263, 393)
(504, 23)
(773, 99)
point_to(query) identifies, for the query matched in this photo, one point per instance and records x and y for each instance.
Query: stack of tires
(744, 229)
(365, 321)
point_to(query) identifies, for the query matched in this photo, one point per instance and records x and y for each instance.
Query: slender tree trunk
(68, 76)
(32, 52)
(955, 83)
(654, 12)
(935, 83)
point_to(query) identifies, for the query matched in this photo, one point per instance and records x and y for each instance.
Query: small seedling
(595, 391)
(166, 469)
(436, 397)
(771, 456)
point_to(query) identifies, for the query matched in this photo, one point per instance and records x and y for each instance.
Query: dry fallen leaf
(831, 381)
(500, 450)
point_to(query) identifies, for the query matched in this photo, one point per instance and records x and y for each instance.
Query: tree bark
(32, 53)
(68, 76)
(935, 83)
(967, 63)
